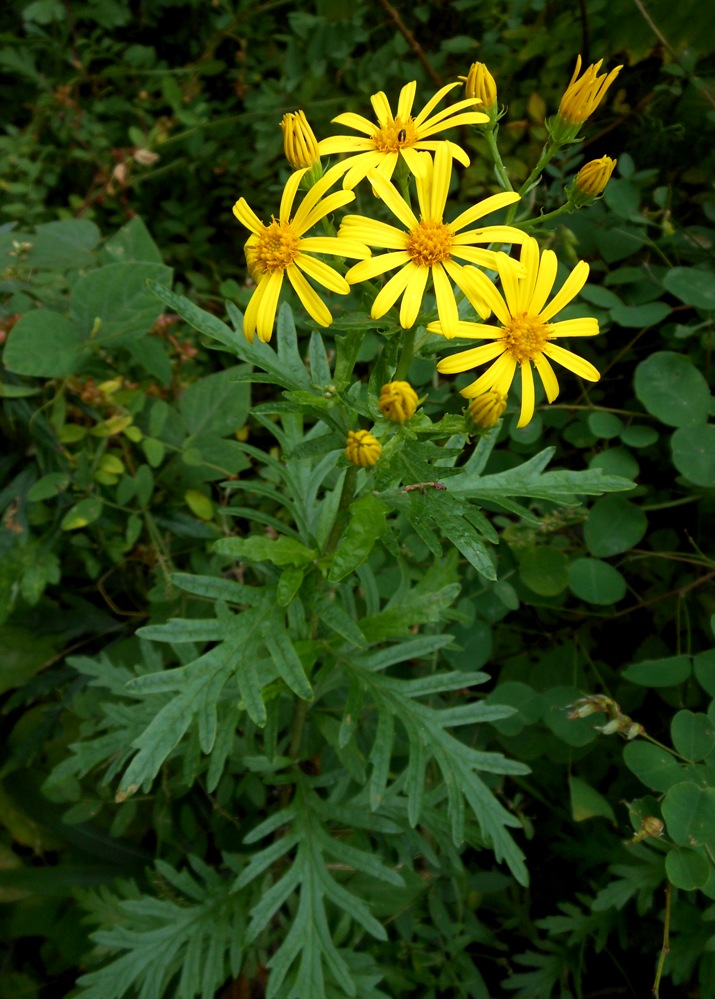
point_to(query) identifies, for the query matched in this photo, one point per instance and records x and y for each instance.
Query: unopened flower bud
(653, 827)
(590, 182)
(580, 100)
(398, 401)
(486, 409)
(361, 448)
(479, 84)
(299, 142)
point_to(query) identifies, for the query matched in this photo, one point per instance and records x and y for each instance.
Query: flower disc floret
(282, 248)
(401, 135)
(361, 448)
(428, 246)
(526, 335)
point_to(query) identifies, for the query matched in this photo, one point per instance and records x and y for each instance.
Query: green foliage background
(145, 849)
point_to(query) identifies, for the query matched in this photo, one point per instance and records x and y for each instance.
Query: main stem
(406, 355)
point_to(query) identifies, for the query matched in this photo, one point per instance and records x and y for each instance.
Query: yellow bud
(594, 175)
(398, 401)
(480, 85)
(653, 826)
(583, 96)
(486, 409)
(299, 142)
(361, 448)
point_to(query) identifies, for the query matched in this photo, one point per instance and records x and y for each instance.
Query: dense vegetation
(273, 725)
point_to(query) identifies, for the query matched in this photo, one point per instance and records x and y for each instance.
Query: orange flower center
(394, 135)
(276, 247)
(525, 337)
(430, 243)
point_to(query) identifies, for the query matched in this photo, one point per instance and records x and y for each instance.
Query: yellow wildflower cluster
(426, 244)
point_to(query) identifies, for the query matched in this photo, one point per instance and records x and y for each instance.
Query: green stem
(346, 498)
(547, 154)
(499, 168)
(568, 208)
(665, 949)
(406, 355)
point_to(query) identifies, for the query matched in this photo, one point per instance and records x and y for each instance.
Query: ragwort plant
(306, 687)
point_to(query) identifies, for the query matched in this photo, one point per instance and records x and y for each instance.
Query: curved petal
(468, 359)
(355, 121)
(482, 258)
(546, 275)
(492, 234)
(458, 153)
(462, 277)
(499, 376)
(289, 193)
(412, 299)
(373, 232)
(246, 216)
(571, 287)
(441, 176)
(434, 101)
(487, 291)
(344, 144)
(381, 107)
(527, 394)
(366, 270)
(548, 377)
(304, 221)
(322, 273)
(447, 119)
(413, 159)
(574, 327)
(446, 302)
(470, 331)
(267, 305)
(579, 365)
(510, 284)
(394, 201)
(407, 99)
(360, 166)
(467, 104)
(313, 303)
(251, 313)
(525, 278)
(392, 291)
(486, 207)
(387, 164)
(336, 246)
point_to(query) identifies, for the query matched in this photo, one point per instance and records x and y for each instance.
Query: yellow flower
(382, 144)
(429, 245)
(299, 142)
(361, 448)
(486, 409)
(277, 249)
(398, 401)
(479, 84)
(526, 336)
(592, 178)
(583, 96)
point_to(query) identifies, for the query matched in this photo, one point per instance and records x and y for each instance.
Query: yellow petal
(360, 166)
(574, 327)
(571, 287)
(337, 246)
(486, 207)
(414, 161)
(322, 273)
(467, 359)
(267, 305)
(308, 215)
(548, 377)
(527, 394)
(355, 121)
(446, 303)
(546, 275)
(313, 303)
(499, 376)
(394, 201)
(446, 119)
(344, 144)
(441, 176)
(366, 270)
(579, 365)
(407, 99)
(392, 291)
(382, 109)
(486, 291)
(246, 216)
(412, 299)
(373, 232)
(433, 102)
(510, 284)
(289, 193)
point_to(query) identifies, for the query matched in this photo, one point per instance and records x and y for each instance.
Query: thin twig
(412, 42)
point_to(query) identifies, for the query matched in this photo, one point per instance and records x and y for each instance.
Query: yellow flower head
(361, 448)
(398, 401)
(526, 335)
(299, 143)
(583, 96)
(381, 144)
(479, 84)
(428, 245)
(281, 248)
(486, 409)
(592, 178)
